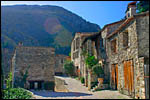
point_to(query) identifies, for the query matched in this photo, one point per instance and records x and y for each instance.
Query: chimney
(131, 9)
(20, 44)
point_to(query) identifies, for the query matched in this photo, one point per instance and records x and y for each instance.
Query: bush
(9, 81)
(90, 61)
(16, 93)
(82, 80)
(69, 68)
(98, 70)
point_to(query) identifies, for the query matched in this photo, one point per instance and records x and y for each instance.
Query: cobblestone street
(78, 91)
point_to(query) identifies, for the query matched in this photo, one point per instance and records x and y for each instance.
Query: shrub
(16, 93)
(91, 61)
(82, 79)
(69, 68)
(98, 70)
(9, 81)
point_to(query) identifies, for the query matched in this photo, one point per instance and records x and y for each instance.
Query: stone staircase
(100, 86)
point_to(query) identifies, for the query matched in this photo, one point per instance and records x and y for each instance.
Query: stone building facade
(59, 62)
(76, 52)
(89, 43)
(39, 62)
(127, 49)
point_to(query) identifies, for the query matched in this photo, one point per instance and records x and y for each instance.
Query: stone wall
(75, 53)
(128, 53)
(112, 57)
(133, 51)
(39, 60)
(143, 36)
(59, 62)
(60, 85)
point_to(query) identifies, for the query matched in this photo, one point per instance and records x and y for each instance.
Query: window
(62, 61)
(125, 39)
(73, 55)
(77, 42)
(128, 14)
(113, 46)
(77, 54)
(101, 43)
(74, 45)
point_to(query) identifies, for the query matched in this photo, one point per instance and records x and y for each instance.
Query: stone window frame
(115, 47)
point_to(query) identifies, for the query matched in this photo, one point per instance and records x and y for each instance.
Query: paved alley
(78, 91)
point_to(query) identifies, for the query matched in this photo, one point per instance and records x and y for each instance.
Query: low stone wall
(60, 85)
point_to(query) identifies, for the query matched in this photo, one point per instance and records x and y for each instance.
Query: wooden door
(114, 76)
(129, 76)
(117, 76)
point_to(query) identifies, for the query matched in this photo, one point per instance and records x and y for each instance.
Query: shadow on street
(59, 94)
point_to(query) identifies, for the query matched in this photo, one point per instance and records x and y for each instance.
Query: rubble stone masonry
(41, 61)
(136, 51)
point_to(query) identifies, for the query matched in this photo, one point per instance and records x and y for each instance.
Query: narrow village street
(78, 91)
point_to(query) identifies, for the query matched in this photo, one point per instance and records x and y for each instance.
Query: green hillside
(36, 25)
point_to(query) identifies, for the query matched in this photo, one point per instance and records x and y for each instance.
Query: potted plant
(98, 70)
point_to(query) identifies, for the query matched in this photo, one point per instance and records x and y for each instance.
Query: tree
(69, 68)
(90, 61)
(9, 81)
(70, 54)
(143, 6)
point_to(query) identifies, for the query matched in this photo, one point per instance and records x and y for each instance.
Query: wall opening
(36, 85)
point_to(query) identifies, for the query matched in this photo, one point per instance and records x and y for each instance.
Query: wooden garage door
(114, 76)
(128, 75)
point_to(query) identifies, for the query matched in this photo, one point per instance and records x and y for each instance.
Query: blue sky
(99, 12)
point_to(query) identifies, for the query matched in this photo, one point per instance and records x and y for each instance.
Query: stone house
(76, 52)
(59, 62)
(127, 48)
(89, 43)
(39, 62)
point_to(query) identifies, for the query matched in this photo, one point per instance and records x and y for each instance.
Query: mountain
(37, 25)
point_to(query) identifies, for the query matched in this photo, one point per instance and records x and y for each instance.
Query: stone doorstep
(102, 86)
